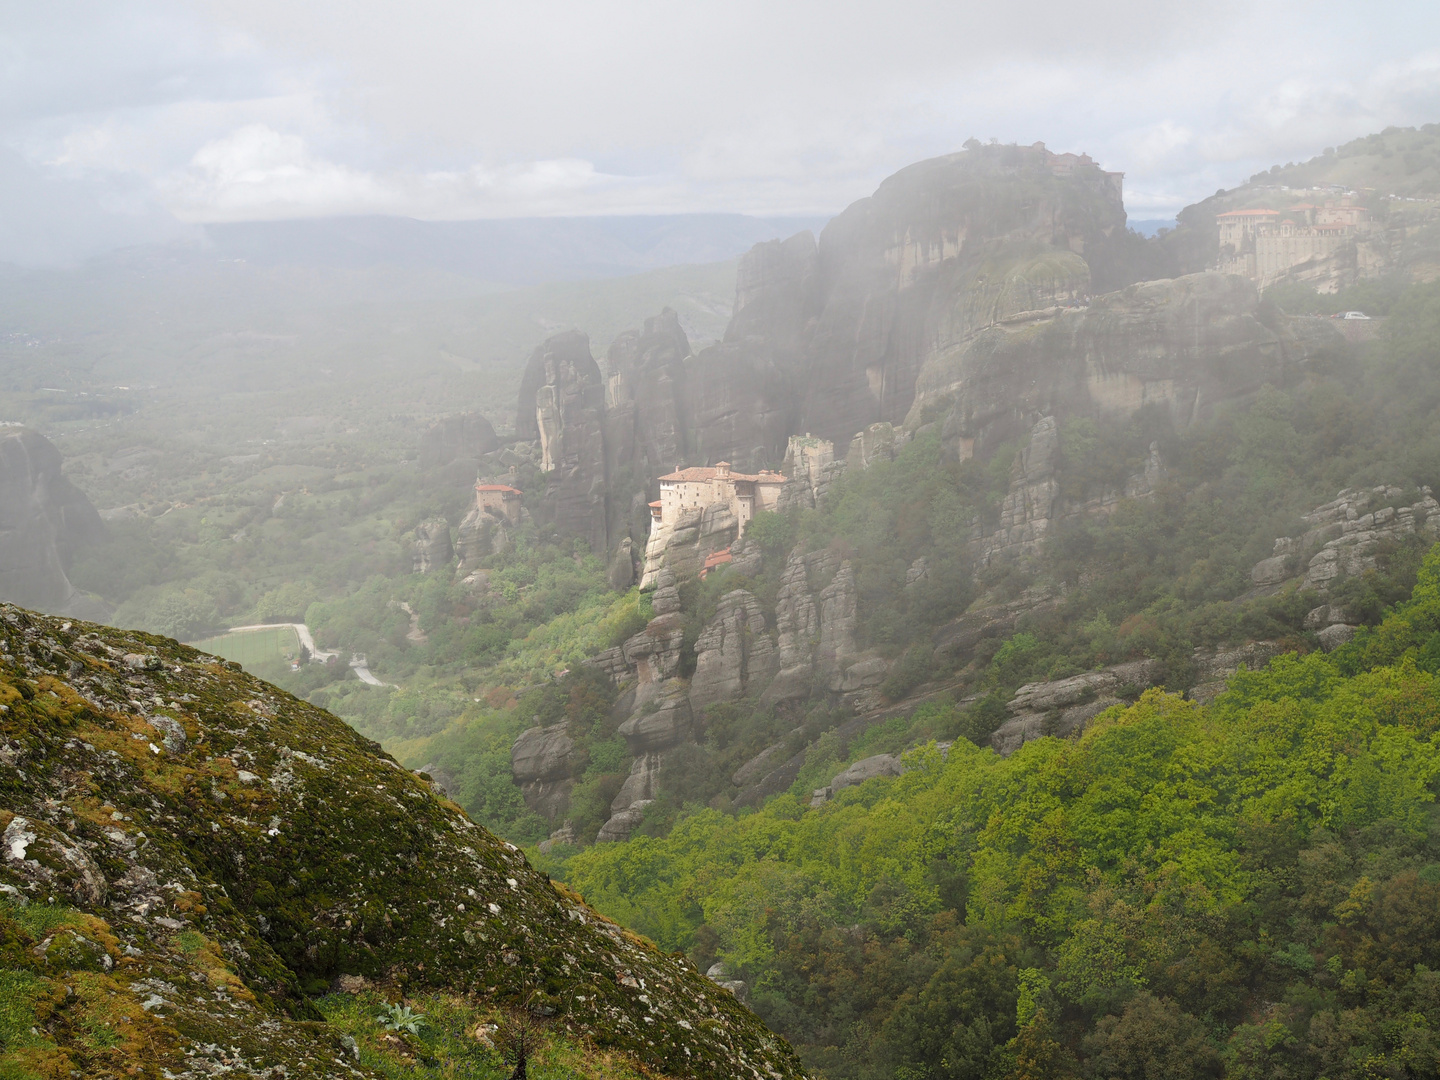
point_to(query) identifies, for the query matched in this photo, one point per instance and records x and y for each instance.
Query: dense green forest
(1248, 889)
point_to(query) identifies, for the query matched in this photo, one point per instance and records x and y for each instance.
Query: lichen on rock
(198, 857)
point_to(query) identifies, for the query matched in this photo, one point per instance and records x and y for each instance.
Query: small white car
(1351, 315)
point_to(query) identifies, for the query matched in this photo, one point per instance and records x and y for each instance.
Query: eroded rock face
(562, 406)
(466, 436)
(1064, 706)
(43, 520)
(432, 548)
(1186, 344)
(733, 654)
(1344, 539)
(797, 626)
(540, 763)
(838, 617)
(943, 248)
(647, 398)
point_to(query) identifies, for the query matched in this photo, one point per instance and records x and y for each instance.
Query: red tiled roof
(1245, 213)
(498, 487)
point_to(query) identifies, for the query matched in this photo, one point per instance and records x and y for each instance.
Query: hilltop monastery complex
(1264, 244)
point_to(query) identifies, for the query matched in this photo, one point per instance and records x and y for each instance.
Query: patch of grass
(254, 647)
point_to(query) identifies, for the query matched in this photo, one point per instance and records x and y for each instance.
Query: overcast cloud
(221, 110)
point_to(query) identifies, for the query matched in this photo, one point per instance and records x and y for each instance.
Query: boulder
(867, 769)
(1332, 637)
(621, 825)
(660, 727)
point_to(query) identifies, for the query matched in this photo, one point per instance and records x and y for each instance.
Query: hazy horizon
(132, 123)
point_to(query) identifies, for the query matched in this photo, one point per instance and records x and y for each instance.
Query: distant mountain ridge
(518, 251)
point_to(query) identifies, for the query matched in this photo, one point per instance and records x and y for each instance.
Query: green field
(254, 647)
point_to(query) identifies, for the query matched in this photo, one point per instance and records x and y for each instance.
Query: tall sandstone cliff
(44, 519)
(977, 292)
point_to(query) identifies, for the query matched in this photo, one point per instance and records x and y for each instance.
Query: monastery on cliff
(699, 488)
(1263, 244)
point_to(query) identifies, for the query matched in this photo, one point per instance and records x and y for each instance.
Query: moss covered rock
(192, 859)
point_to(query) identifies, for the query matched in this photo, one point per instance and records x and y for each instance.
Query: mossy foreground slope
(192, 860)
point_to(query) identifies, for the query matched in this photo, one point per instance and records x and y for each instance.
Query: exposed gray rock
(44, 520)
(621, 571)
(542, 753)
(1214, 667)
(562, 405)
(1065, 706)
(669, 722)
(867, 769)
(1332, 637)
(1271, 571)
(958, 638)
(642, 785)
(432, 548)
(1188, 345)
(466, 436)
(1345, 536)
(621, 825)
(564, 835)
(734, 652)
(472, 542)
(918, 574)
(797, 626)
(1029, 506)
(1326, 615)
(48, 859)
(1045, 696)
(759, 765)
(838, 620)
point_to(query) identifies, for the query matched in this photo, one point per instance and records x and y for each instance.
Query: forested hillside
(1248, 889)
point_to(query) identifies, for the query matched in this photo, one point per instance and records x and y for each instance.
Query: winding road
(358, 662)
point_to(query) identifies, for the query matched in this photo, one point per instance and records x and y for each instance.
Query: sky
(127, 120)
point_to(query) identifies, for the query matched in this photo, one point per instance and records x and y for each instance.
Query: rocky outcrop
(838, 615)
(431, 546)
(797, 628)
(1215, 667)
(1345, 537)
(647, 428)
(44, 520)
(943, 248)
(1029, 505)
(146, 928)
(1064, 706)
(540, 763)
(465, 437)
(957, 639)
(734, 654)
(562, 406)
(864, 769)
(1187, 345)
